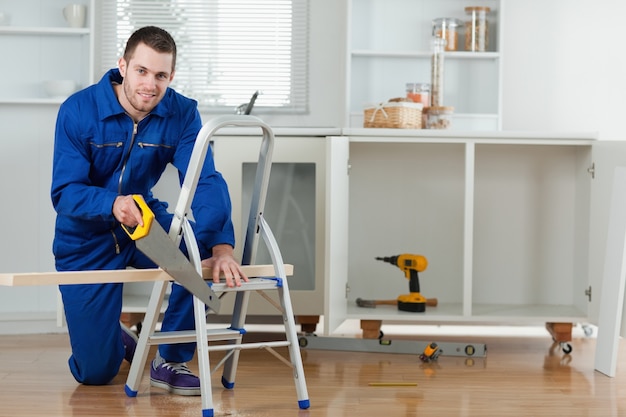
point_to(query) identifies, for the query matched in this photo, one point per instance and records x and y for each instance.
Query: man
(112, 140)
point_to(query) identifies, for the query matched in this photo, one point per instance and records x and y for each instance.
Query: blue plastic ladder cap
(226, 384)
(130, 392)
(207, 413)
(304, 404)
(241, 331)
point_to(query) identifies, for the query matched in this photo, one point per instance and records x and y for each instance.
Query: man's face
(146, 78)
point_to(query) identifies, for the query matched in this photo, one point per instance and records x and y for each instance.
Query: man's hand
(126, 211)
(224, 261)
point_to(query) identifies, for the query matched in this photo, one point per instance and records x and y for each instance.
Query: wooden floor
(519, 377)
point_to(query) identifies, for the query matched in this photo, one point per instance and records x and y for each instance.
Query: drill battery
(413, 303)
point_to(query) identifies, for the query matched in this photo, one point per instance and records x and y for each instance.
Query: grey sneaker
(175, 378)
(130, 342)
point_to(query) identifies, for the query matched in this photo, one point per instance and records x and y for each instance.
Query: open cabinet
(513, 225)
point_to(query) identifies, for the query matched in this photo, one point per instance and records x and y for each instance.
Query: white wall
(564, 68)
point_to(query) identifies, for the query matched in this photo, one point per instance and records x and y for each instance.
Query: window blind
(226, 49)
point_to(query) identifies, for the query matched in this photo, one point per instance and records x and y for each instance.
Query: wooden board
(124, 275)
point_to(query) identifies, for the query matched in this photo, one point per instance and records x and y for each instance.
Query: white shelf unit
(42, 47)
(513, 225)
(389, 46)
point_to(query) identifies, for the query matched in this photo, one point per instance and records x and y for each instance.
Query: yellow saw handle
(138, 232)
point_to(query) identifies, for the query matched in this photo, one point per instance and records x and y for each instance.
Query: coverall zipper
(117, 245)
(153, 145)
(105, 145)
(119, 187)
(132, 141)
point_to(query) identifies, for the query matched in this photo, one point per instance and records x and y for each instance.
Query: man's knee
(96, 372)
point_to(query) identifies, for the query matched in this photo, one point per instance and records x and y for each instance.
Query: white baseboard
(30, 323)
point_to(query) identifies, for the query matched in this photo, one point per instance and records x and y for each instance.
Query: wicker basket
(402, 115)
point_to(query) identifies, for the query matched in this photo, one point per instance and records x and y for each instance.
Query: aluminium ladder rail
(257, 226)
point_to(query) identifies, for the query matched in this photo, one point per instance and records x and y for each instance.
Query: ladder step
(185, 336)
(255, 284)
(213, 335)
(255, 345)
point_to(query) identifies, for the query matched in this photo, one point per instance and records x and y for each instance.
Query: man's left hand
(224, 262)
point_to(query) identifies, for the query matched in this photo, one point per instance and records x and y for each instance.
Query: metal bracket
(592, 170)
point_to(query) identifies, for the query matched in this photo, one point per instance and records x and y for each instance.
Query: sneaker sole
(173, 389)
(133, 336)
(129, 332)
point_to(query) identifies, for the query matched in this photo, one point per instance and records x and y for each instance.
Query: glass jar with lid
(438, 117)
(418, 93)
(448, 28)
(477, 29)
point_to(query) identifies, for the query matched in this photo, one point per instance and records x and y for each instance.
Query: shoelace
(179, 368)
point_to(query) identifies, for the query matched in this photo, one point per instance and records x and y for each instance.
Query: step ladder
(233, 335)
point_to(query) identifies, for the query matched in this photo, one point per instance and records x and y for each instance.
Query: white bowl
(59, 88)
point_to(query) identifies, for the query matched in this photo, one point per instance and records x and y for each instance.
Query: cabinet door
(294, 210)
(607, 155)
(337, 216)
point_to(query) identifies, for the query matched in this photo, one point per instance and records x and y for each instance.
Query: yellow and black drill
(410, 265)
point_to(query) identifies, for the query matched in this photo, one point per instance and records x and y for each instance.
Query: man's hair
(156, 38)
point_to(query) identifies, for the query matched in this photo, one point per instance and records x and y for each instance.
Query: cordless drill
(410, 265)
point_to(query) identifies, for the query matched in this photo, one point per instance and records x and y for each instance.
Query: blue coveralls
(99, 154)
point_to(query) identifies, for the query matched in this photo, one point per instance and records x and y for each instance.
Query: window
(227, 49)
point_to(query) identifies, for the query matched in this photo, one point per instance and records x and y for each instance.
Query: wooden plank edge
(118, 276)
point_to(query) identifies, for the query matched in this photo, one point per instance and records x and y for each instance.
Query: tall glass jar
(477, 29)
(447, 28)
(436, 71)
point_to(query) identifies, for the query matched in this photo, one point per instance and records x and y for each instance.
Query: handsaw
(154, 242)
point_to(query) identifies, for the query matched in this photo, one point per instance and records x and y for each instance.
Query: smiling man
(112, 140)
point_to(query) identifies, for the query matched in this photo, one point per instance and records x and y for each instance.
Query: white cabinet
(513, 225)
(38, 45)
(389, 46)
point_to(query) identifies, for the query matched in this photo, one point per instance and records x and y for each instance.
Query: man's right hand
(126, 211)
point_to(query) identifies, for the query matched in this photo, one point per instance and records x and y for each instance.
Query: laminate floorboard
(520, 376)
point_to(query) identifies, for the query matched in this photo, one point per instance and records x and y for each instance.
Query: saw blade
(162, 251)
(155, 243)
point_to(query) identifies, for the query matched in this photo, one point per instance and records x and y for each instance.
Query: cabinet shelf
(487, 137)
(367, 53)
(482, 313)
(38, 31)
(52, 100)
